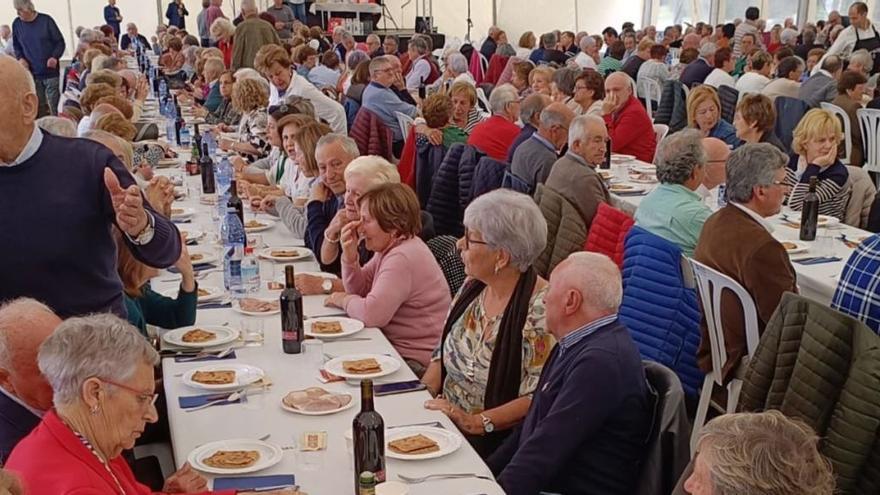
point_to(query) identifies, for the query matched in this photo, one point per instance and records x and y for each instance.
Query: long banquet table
(331, 473)
(814, 281)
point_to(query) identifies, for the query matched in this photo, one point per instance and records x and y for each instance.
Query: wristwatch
(488, 426)
(327, 286)
(146, 235)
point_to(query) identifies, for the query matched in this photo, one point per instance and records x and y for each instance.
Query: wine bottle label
(289, 335)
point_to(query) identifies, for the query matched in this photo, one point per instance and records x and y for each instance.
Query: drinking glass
(252, 331)
(313, 350)
(308, 460)
(824, 243)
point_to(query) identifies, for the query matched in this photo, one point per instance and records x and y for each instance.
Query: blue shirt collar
(583, 332)
(543, 141)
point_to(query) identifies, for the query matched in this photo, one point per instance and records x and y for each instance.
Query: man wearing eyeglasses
(380, 99)
(738, 242)
(717, 153)
(535, 157)
(24, 393)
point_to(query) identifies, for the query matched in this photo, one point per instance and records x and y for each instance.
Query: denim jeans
(299, 11)
(48, 95)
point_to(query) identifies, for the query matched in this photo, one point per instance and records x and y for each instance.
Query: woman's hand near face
(828, 158)
(349, 242)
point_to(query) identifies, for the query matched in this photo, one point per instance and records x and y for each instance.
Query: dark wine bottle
(607, 163)
(196, 144)
(368, 430)
(235, 201)
(423, 90)
(206, 169)
(810, 213)
(291, 314)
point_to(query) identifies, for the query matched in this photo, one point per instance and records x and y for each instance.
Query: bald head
(584, 287)
(717, 153)
(24, 325)
(619, 86)
(18, 98)
(691, 40)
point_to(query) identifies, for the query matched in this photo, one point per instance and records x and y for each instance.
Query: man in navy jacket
(590, 416)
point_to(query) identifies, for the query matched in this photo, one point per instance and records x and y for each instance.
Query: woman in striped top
(815, 144)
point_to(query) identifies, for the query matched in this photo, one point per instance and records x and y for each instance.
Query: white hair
(248, 73)
(98, 62)
(863, 57)
(788, 35)
(577, 130)
(58, 126)
(457, 63)
(586, 43)
(348, 144)
(20, 312)
(375, 169)
(596, 277)
(100, 345)
(509, 221)
(707, 51)
(501, 97)
(23, 5)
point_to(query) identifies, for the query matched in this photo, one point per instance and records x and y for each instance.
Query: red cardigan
(494, 136)
(53, 461)
(632, 132)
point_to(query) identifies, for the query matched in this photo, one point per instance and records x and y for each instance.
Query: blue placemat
(188, 359)
(818, 260)
(196, 268)
(189, 401)
(251, 482)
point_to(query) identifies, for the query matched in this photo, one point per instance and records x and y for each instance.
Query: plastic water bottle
(163, 89)
(722, 195)
(234, 242)
(250, 271)
(170, 129)
(184, 136)
(210, 140)
(223, 177)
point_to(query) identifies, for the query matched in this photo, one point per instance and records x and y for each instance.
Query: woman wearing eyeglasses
(494, 343)
(101, 373)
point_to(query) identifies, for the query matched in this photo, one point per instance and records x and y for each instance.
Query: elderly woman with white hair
(59, 126)
(494, 135)
(494, 343)
(421, 71)
(759, 453)
(456, 71)
(102, 375)
(401, 289)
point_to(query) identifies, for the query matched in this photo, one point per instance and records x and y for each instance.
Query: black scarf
(505, 369)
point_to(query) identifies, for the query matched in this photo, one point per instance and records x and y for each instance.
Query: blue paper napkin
(251, 482)
(214, 305)
(188, 220)
(188, 359)
(818, 260)
(188, 401)
(196, 268)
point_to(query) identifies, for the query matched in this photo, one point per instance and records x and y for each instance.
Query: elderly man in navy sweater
(590, 415)
(59, 198)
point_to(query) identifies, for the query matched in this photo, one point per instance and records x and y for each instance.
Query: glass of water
(313, 350)
(252, 331)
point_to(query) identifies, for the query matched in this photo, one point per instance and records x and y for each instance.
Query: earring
(94, 410)
(497, 269)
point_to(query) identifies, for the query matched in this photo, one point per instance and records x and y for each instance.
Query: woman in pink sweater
(401, 289)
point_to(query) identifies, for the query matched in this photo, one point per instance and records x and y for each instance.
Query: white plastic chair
(484, 63)
(847, 132)
(687, 91)
(711, 285)
(869, 121)
(405, 122)
(650, 90)
(660, 131)
(484, 100)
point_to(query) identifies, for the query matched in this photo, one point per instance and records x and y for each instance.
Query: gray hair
(577, 130)
(749, 166)
(110, 63)
(248, 6)
(531, 106)
(378, 64)
(354, 58)
(419, 45)
(552, 116)
(16, 313)
(346, 36)
(88, 36)
(509, 221)
(457, 63)
(597, 278)
(565, 79)
(100, 345)
(788, 36)
(505, 50)
(587, 42)
(501, 97)
(548, 40)
(678, 155)
(23, 5)
(708, 50)
(58, 126)
(862, 57)
(348, 144)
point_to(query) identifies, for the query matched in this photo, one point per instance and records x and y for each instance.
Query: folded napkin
(188, 220)
(189, 359)
(818, 260)
(188, 401)
(214, 305)
(251, 482)
(196, 268)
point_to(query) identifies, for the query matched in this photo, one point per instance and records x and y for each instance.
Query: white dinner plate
(645, 168)
(213, 293)
(265, 224)
(349, 327)
(617, 158)
(319, 413)
(605, 174)
(208, 199)
(225, 335)
(269, 455)
(302, 252)
(192, 234)
(824, 220)
(625, 188)
(206, 257)
(448, 441)
(182, 213)
(237, 308)
(643, 178)
(388, 364)
(245, 374)
(794, 247)
(168, 162)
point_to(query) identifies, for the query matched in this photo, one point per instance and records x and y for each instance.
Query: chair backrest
(404, 121)
(687, 91)
(711, 285)
(869, 120)
(847, 132)
(484, 62)
(484, 100)
(445, 252)
(650, 88)
(789, 111)
(660, 131)
(728, 97)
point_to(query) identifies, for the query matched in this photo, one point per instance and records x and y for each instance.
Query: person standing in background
(38, 46)
(113, 17)
(299, 10)
(202, 24)
(6, 40)
(283, 18)
(213, 13)
(176, 14)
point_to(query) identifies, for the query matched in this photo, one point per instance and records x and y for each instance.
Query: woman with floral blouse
(250, 97)
(494, 342)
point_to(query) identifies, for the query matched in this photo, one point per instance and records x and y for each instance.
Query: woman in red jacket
(223, 31)
(101, 372)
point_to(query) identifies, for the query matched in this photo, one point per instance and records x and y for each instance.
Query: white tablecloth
(814, 281)
(263, 416)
